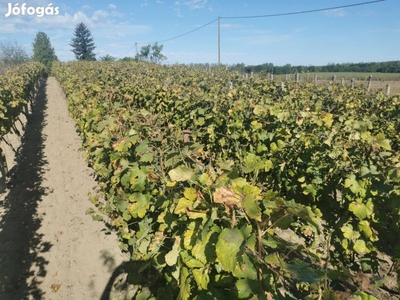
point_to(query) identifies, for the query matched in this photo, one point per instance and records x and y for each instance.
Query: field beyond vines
(222, 187)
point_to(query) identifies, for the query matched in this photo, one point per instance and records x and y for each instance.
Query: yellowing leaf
(184, 284)
(268, 165)
(190, 261)
(187, 238)
(205, 179)
(328, 119)
(181, 174)
(182, 205)
(201, 277)
(190, 194)
(360, 247)
(172, 256)
(365, 228)
(196, 214)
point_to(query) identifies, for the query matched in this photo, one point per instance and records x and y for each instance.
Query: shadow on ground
(135, 280)
(21, 263)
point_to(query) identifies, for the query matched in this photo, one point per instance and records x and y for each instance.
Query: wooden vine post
(387, 93)
(3, 172)
(369, 83)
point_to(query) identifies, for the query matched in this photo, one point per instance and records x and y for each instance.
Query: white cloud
(111, 36)
(193, 4)
(100, 16)
(112, 6)
(338, 13)
(231, 26)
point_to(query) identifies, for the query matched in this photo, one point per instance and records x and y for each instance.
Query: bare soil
(49, 247)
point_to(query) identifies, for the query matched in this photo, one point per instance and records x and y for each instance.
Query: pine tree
(83, 43)
(43, 51)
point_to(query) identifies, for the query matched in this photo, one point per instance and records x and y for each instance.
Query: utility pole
(219, 41)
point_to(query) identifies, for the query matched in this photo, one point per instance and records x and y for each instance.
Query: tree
(151, 53)
(83, 43)
(12, 54)
(107, 58)
(43, 51)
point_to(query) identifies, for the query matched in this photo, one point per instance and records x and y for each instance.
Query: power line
(304, 11)
(261, 16)
(178, 36)
(173, 38)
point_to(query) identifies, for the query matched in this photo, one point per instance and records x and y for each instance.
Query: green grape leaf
(245, 269)
(137, 179)
(140, 204)
(148, 157)
(353, 184)
(361, 210)
(252, 163)
(228, 246)
(383, 142)
(252, 208)
(246, 288)
(349, 233)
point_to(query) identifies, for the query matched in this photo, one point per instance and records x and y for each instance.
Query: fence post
(352, 83)
(342, 81)
(387, 90)
(369, 83)
(297, 77)
(315, 78)
(3, 172)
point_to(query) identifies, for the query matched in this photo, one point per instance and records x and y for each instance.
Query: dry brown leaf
(226, 196)
(55, 287)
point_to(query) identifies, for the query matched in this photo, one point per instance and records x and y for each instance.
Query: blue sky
(364, 33)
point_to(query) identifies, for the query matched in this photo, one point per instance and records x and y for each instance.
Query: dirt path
(49, 247)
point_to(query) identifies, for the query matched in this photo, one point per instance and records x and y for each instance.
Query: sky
(363, 33)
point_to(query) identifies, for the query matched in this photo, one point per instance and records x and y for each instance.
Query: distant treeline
(380, 67)
(371, 67)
